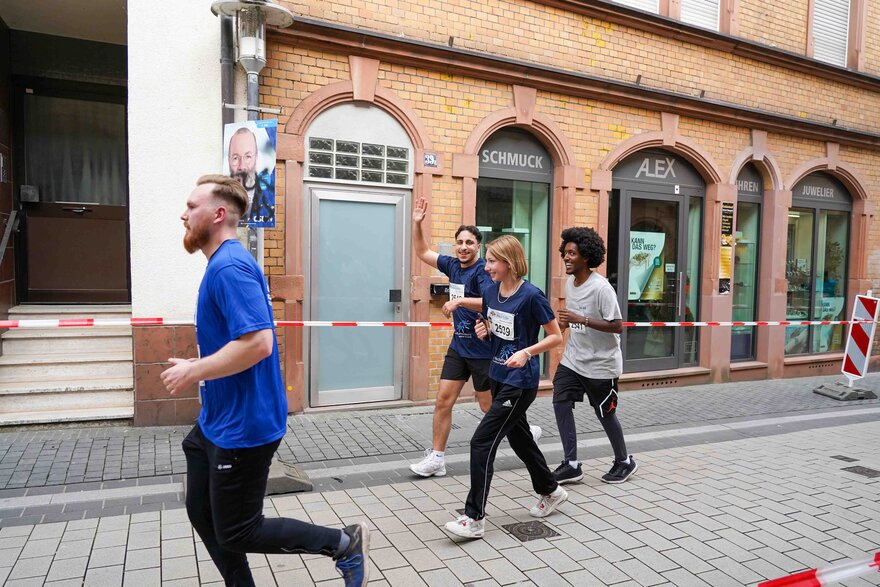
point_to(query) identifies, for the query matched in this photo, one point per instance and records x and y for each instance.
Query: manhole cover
(864, 471)
(844, 459)
(526, 531)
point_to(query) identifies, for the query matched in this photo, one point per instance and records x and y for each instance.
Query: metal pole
(227, 69)
(253, 102)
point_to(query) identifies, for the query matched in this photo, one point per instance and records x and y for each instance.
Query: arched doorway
(654, 260)
(358, 177)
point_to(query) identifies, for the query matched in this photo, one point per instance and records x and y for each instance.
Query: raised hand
(420, 209)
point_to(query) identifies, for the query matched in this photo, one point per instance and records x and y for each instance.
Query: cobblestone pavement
(69, 474)
(717, 513)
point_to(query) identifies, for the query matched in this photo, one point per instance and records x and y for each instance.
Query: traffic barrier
(861, 337)
(829, 575)
(106, 322)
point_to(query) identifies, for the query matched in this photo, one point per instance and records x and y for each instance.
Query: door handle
(81, 210)
(679, 296)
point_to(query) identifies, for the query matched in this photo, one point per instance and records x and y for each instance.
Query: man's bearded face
(243, 159)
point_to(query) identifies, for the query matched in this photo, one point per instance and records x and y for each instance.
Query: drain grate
(844, 459)
(864, 471)
(526, 531)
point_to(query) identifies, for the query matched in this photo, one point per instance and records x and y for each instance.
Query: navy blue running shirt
(249, 408)
(469, 282)
(515, 323)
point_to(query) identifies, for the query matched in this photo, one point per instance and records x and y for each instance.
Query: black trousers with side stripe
(506, 418)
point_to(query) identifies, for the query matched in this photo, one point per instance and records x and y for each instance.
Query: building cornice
(327, 36)
(687, 33)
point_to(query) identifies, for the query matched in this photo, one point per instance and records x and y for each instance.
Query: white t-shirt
(589, 352)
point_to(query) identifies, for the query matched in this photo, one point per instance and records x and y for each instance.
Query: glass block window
(353, 161)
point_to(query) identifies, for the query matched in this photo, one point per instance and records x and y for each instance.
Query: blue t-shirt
(249, 408)
(515, 324)
(468, 282)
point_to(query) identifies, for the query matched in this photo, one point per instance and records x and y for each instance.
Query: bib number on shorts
(456, 291)
(502, 324)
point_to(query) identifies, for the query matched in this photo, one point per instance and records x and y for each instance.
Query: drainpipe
(227, 68)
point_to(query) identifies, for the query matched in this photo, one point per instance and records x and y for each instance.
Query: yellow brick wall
(548, 36)
(872, 39)
(450, 106)
(781, 24)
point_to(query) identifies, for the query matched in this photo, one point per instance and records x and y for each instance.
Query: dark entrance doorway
(654, 235)
(72, 188)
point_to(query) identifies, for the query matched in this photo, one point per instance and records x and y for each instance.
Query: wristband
(528, 354)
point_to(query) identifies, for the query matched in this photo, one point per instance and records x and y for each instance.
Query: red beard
(195, 238)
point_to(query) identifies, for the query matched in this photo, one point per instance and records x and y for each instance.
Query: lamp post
(251, 18)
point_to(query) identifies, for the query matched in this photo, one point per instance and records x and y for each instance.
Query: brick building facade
(595, 83)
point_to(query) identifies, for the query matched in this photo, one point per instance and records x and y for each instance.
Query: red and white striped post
(828, 575)
(861, 337)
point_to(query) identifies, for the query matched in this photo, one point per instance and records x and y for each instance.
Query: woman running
(516, 310)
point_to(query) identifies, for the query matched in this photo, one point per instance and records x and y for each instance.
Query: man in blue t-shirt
(467, 356)
(244, 407)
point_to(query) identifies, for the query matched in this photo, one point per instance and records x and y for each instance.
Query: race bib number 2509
(502, 324)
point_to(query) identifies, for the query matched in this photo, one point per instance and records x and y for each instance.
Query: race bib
(456, 291)
(502, 324)
(579, 328)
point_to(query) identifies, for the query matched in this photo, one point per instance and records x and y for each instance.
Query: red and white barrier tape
(829, 575)
(99, 322)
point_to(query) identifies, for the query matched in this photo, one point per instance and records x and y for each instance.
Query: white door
(356, 274)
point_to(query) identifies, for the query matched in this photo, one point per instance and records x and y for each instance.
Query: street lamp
(251, 18)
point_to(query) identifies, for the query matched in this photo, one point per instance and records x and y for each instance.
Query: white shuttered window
(831, 31)
(702, 13)
(646, 5)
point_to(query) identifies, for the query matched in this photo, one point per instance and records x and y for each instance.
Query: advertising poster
(646, 265)
(725, 270)
(249, 157)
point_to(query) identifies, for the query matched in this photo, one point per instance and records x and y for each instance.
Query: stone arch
(680, 145)
(362, 87)
(567, 176)
(848, 176)
(765, 162)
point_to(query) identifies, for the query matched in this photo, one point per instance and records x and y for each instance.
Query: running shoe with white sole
(430, 466)
(565, 473)
(548, 503)
(466, 527)
(621, 471)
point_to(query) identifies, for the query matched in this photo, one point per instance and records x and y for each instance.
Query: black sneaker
(354, 562)
(565, 473)
(621, 471)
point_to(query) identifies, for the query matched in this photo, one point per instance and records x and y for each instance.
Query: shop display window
(745, 277)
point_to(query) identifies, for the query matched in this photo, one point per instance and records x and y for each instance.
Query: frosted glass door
(356, 265)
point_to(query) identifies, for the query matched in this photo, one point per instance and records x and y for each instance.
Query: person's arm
(552, 338)
(473, 304)
(420, 209)
(234, 357)
(600, 324)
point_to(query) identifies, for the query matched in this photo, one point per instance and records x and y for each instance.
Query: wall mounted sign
(725, 268)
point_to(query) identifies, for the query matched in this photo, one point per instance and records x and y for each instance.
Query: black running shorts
(458, 368)
(571, 386)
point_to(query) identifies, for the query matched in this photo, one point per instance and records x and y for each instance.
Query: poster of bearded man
(249, 157)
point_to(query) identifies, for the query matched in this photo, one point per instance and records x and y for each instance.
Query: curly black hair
(590, 245)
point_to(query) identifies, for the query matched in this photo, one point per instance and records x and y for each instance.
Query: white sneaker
(466, 527)
(536, 432)
(548, 503)
(430, 466)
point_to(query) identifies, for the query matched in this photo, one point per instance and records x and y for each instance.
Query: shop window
(745, 263)
(816, 264)
(831, 31)
(702, 13)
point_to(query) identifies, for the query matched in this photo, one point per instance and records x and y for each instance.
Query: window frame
(856, 35)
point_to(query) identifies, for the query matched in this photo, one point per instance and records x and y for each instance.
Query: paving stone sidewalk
(92, 456)
(717, 514)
